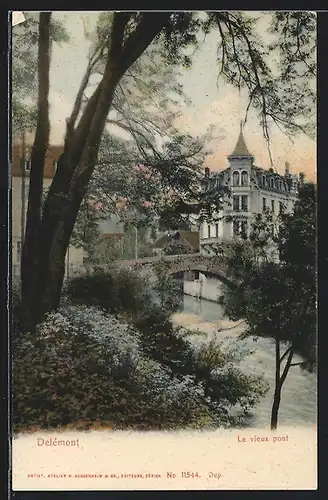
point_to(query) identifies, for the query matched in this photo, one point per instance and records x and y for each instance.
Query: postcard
(163, 184)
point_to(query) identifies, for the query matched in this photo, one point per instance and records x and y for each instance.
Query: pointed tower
(240, 162)
(241, 154)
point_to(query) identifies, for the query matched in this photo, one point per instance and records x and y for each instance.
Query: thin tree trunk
(280, 378)
(40, 145)
(277, 389)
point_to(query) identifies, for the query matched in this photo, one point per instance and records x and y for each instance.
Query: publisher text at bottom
(127, 475)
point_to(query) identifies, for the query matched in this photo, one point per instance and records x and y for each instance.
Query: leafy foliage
(273, 74)
(176, 248)
(271, 295)
(118, 290)
(85, 366)
(25, 68)
(278, 298)
(143, 188)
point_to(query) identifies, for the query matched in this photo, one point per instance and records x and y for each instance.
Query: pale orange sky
(220, 106)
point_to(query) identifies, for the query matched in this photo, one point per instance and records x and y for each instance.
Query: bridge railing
(150, 260)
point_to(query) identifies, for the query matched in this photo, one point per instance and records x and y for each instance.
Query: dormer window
(244, 178)
(28, 165)
(236, 178)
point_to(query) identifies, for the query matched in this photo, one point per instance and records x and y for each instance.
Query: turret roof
(241, 148)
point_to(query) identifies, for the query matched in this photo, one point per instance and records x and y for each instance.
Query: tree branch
(149, 27)
(285, 353)
(120, 21)
(94, 59)
(134, 132)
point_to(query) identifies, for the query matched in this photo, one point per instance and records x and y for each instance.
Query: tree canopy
(25, 69)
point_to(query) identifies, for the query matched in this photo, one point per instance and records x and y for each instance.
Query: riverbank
(221, 327)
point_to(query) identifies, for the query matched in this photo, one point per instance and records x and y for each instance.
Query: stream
(299, 395)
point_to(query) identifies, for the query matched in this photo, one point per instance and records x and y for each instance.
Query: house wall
(74, 260)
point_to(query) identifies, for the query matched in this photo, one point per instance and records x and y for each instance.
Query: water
(299, 395)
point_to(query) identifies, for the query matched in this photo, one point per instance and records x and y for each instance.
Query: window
(236, 227)
(280, 185)
(19, 251)
(263, 204)
(209, 231)
(272, 206)
(244, 203)
(281, 207)
(235, 178)
(217, 230)
(243, 228)
(236, 204)
(271, 182)
(244, 178)
(263, 180)
(28, 165)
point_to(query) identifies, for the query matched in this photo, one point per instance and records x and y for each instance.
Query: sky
(211, 103)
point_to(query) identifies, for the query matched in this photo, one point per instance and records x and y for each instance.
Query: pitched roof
(241, 148)
(161, 241)
(190, 237)
(259, 173)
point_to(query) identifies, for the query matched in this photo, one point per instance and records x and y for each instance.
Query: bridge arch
(212, 266)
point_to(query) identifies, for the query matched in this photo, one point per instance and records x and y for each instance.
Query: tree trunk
(280, 380)
(33, 220)
(52, 263)
(277, 388)
(275, 408)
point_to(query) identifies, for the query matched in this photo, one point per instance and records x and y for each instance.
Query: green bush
(84, 365)
(112, 354)
(116, 290)
(125, 293)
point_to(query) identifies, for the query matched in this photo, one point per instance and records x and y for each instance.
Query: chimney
(207, 171)
(287, 170)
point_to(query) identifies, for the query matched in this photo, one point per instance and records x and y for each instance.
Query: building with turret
(253, 190)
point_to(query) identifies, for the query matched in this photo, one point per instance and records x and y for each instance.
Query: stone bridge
(210, 265)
